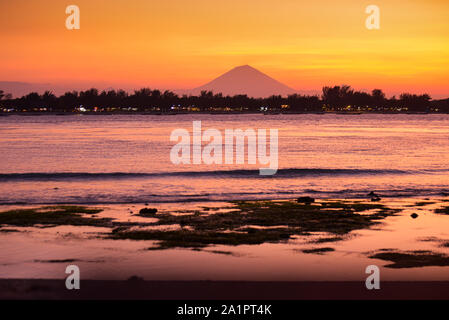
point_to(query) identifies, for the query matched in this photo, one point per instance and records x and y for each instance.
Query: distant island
(243, 89)
(339, 99)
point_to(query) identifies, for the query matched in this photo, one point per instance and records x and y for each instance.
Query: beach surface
(281, 240)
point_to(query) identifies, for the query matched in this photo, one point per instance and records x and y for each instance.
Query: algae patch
(412, 259)
(257, 222)
(444, 210)
(318, 250)
(53, 215)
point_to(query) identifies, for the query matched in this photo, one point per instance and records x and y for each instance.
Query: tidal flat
(328, 239)
(257, 222)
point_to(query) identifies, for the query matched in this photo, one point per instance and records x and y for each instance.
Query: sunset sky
(180, 44)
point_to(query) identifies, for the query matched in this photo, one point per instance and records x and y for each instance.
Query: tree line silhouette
(337, 98)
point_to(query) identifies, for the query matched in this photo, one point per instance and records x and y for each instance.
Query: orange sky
(185, 43)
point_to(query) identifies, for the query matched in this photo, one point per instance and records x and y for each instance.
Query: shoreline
(5, 114)
(327, 241)
(442, 197)
(53, 289)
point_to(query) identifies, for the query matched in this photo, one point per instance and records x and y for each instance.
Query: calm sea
(109, 159)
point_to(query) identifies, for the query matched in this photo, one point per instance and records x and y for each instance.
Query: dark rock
(119, 229)
(414, 215)
(306, 200)
(318, 250)
(374, 196)
(135, 279)
(147, 211)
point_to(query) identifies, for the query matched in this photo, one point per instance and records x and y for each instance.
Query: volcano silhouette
(245, 80)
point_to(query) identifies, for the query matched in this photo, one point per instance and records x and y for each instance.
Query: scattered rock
(374, 196)
(147, 211)
(135, 279)
(306, 200)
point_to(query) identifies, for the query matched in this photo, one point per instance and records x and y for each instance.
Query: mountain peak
(245, 80)
(244, 67)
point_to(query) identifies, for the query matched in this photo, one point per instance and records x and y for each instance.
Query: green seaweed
(412, 259)
(444, 210)
(8, 230)
(200, 239)
(422, 204)
(442, 242)
(53, 215)
(318, 250)
(257, 222)
(328, 239)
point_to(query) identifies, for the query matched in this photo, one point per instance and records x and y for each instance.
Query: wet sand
(412, 253)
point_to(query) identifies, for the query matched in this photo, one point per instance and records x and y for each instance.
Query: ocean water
(119, 162)
(113, 159)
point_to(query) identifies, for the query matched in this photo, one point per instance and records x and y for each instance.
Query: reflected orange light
(183, 44)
